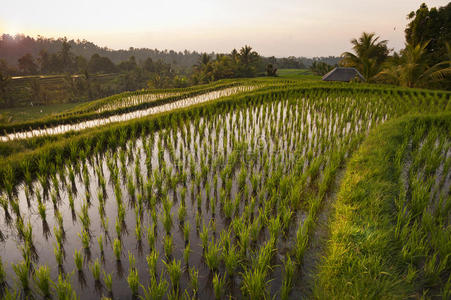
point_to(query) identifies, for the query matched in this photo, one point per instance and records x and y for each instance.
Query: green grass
(31, 113)
(54, 88)
(297, 73)
(364, 257)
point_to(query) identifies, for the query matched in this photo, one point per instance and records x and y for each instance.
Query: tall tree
(128, 65)
(411, 67)
(369, 54)
(432, 26)
(44, 62)
(100, 64)
(271, 70)
(27, 64)
(4, 83)
(67, 61)
(320, 68)
(248, 61)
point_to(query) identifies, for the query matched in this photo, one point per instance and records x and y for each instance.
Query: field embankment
(390, 233)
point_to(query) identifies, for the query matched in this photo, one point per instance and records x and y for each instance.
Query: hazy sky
(277, 27)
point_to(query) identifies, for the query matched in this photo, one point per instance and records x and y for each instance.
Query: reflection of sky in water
(129, 116)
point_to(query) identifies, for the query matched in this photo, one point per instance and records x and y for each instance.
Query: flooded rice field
(219, 205)
(183, 103)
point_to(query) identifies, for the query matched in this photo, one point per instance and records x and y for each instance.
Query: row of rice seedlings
(178, 104)
(401, 102)
(424, 206)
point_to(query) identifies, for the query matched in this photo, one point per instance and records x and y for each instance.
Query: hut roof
(343, 74)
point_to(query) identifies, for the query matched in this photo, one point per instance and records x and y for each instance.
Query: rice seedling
(186, 231)
(22, 271)
(174, 294)
(131, 187)
(133, 281)
(95, 270)
(219, 286)
(155, 291)
(43, 282)
(151, 236)
(42, 211)
(287, 283)
(194, 279)
(231, 259)
(213, 255)
(186, 253)
(108, 281)
(15, 206)
(167, 222)
(59, 255)
(174, 270)
(10, 295)
(4, 204)
(78, 260)
(63, 288)
(131, 260)
(152, 259)
(71, 201)
(138, 232)
(85, 238)
(121, 214)
(204, 237)
(167, 245)
(182, 213)
(28, 235)
(254, 283)
(100, 242)
(197, 220)
(2, 275)
(117, 249)
(59, 220)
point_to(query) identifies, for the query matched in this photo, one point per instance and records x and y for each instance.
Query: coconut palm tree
(248, 60)
(369, 54)
(410, 67)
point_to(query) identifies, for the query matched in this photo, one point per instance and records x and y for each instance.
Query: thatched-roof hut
(343, 74)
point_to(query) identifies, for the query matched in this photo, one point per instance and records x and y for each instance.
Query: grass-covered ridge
(390, 233)
(138, 100)
(392, 103)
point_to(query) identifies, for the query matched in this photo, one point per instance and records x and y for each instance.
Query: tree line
(26, 49)
(130, 74)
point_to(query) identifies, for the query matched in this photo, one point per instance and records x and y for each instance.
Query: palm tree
(369, 54)
(320, 68)
(411, 69)
(204, 59)
(248, 60)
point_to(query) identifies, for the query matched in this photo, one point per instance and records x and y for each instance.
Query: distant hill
(14, 47)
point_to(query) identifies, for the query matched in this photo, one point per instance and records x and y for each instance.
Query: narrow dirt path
(317, 244)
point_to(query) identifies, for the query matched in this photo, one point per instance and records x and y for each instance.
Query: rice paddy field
(243, 189)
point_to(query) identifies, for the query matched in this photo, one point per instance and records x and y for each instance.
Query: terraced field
(218, 191)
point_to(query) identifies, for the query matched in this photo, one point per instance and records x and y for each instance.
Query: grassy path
(366, 258)
(317, 245)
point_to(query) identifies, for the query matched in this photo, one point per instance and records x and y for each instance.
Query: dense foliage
(424, 62)
(432, 26)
